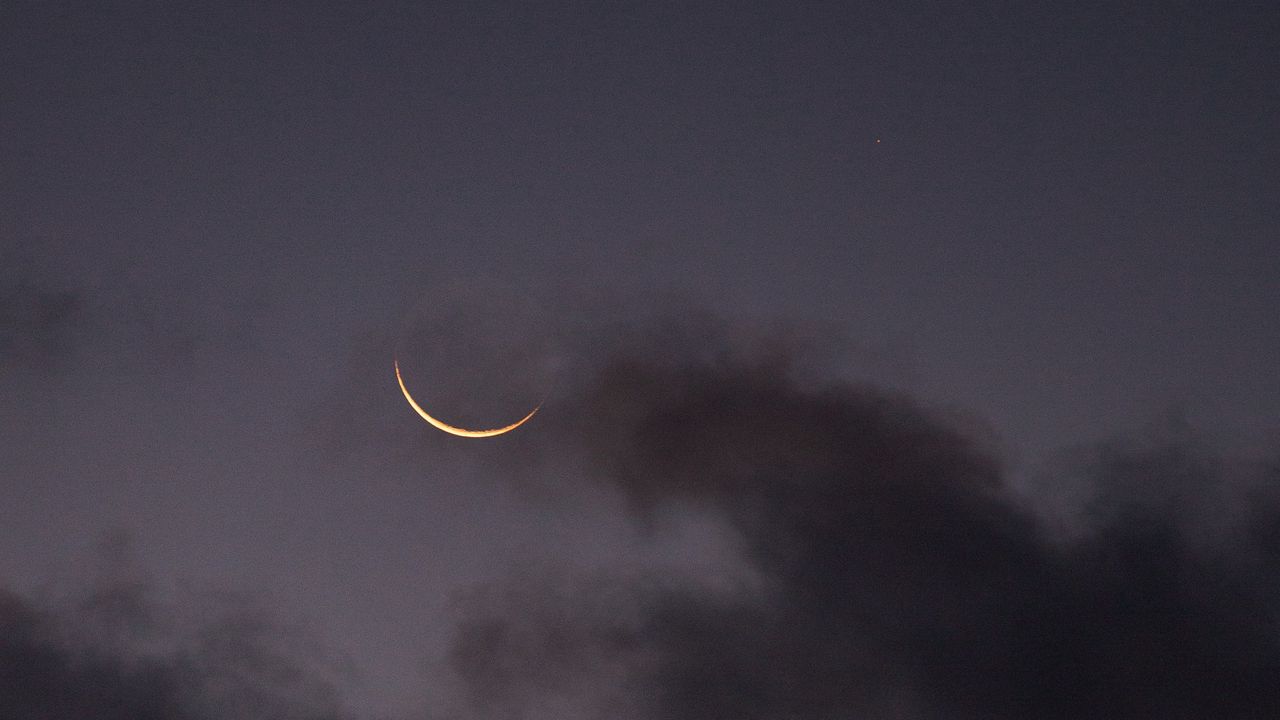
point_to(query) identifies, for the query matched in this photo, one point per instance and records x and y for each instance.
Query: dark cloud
(525, 650)
(112, 651)
(898, 575)
(43, 678)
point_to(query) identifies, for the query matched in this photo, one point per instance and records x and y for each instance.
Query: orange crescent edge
(451, 429)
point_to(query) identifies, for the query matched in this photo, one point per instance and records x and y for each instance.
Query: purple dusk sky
(897, 360)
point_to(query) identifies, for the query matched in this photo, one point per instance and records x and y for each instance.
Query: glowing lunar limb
(460, 432)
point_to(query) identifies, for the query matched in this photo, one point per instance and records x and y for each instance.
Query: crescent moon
(451, 429)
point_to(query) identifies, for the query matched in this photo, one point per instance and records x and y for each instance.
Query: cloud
(113, 651)
(899, 575)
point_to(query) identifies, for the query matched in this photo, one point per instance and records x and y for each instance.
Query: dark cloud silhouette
(525, 650)
(898, 575)
(113, 652)
(40, 677)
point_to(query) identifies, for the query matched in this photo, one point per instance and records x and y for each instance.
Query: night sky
(896, 360)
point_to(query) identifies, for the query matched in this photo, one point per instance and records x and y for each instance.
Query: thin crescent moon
(452, 430)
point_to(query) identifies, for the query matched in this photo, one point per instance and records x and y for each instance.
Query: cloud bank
(114, 651)
(897, 574)
(888, 571)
